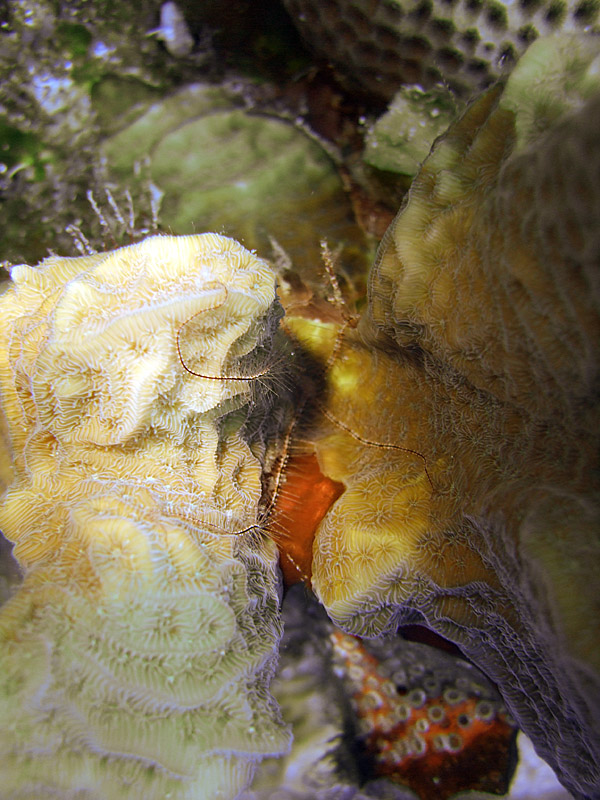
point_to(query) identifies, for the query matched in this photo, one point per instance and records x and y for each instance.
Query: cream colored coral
(136, 657)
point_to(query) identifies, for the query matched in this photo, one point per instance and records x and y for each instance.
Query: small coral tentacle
(283, 461)
(349, 322)
(329, 260)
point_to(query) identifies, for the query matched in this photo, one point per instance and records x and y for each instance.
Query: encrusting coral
(241, 171)
(449, 733)
(137, 654)
(461, 414)
(363, 709)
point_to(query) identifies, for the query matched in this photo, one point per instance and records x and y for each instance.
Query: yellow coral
(498, 237)
(398, 521)
(462, 414)
(137, 654)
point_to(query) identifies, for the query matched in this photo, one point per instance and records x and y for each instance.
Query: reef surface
(442, 451)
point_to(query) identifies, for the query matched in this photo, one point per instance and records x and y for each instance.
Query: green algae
(258, 178)
(401, 139)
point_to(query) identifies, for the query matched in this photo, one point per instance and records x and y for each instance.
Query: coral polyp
(465, 45)
(137, 654)
(449, 732)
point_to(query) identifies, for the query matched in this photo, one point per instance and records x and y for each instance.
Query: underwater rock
(463, 45)
(462, 414)
(137, 654)
(400, 140)
(258, 178)
(70, 72)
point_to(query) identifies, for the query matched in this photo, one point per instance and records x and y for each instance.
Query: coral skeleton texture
(137, 654)
(450, 475)
(465, 44)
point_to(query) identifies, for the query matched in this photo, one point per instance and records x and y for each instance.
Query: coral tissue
(136, 656)
(462, 413)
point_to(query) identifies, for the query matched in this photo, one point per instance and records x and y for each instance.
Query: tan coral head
(136, 657)
(163, 282)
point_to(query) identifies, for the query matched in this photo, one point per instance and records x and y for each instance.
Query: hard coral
(362, 709)
(462, 414)
(137, 654)
(426, 719)
(381, 44)
(244, 173)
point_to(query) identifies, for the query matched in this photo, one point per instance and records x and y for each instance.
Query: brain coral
(137, 654)
(462, 414)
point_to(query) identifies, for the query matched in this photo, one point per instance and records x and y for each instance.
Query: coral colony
(137, 653)
(448, 476)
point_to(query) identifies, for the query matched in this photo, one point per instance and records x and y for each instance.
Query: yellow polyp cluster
(388, 530)
(137, 654)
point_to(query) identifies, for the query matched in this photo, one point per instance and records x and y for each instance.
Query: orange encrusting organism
(305, 497)
(437, 745)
